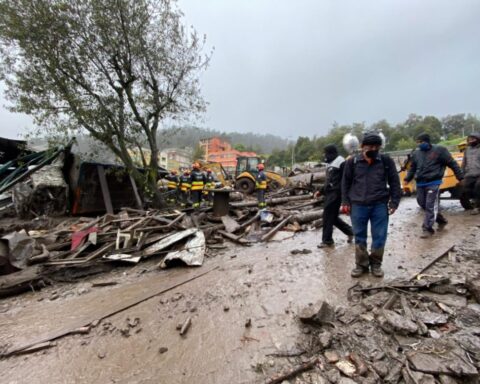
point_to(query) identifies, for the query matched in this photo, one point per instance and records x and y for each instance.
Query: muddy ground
(262, 284)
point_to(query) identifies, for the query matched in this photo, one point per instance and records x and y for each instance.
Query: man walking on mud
(428, 167)
(471, 168)
(333, 197)
(370, 193)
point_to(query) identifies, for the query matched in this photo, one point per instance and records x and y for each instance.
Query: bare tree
(112, 68)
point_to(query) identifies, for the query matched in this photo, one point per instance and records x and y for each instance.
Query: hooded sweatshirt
(471, 159)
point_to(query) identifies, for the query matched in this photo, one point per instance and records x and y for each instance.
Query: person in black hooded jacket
(428, 167)
(332, 192)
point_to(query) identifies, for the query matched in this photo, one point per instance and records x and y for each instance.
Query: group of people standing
(367, 187)
(191, 187)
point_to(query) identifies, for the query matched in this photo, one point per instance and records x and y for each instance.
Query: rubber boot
(376, 258)
(441, 220)
(361, 260)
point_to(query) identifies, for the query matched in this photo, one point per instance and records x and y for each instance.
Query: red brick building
(220, 151)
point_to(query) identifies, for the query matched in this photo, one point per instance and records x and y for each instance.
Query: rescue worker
(333, 197)
(428, 167)
(197, 181)
(172, 186)
(209, 184)
(366, 197)
(184, 186)
(471, 168)
(261, 186)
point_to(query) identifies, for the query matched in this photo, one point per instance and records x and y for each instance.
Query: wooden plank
(135, 191)
(232, 237)
(105, 191)
(272, 232)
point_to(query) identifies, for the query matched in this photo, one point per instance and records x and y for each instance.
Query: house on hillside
(220, 151)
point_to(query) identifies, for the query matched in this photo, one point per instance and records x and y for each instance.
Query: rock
(226, 308)
(325, 340)
(331, 356)
(271, 363)
(333, 375)
(101, 355)
(162, 350)
(431, 318)
(445, 379)
(248, 323)
(313, 378)
(319, 313)
(55, 296)
(382, 368)
(434, 334)
(452, 361)
(399, 323)
(346, 367)
(346, 380)
(379, 356)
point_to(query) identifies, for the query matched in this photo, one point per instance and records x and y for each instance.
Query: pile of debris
(423, 330)
(32, 256)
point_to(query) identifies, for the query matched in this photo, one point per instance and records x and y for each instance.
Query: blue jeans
(377, 214)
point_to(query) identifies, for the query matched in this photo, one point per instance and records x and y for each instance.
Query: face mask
(371, 154)
(424, 146)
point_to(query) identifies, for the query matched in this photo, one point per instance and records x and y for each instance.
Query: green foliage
(399, 137)
(198, 153)
(114, 69)
(405, 143)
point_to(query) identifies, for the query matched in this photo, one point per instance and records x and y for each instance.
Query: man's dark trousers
(331, 206)
(472, 189)
(428, 199)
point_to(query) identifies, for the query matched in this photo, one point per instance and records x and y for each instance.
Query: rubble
(401, 331)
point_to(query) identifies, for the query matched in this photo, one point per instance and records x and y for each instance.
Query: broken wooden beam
(275, 201)
(232, 237)
(273, 231)
(433, 262)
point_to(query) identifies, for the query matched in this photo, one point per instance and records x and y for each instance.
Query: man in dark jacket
(471, 168)
(367, 198)
(428, 167)
(333, 197)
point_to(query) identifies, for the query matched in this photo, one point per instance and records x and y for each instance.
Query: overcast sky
(294, 67)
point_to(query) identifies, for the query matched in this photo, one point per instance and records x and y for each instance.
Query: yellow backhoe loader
(245, 174)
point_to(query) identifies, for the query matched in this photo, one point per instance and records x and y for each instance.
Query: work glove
(345, 209)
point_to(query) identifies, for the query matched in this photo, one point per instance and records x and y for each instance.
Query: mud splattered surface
(263, 285)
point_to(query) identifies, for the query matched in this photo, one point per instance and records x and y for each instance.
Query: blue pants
(377, 214)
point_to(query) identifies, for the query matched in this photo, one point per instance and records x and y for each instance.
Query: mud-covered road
(263, 283)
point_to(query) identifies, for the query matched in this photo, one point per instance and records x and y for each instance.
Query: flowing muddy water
(263, 284)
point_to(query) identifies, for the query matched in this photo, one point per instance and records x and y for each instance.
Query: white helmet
(350, 143)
